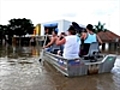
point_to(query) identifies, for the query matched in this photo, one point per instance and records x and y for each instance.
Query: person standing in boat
(48, 38)
(51, 46)
(89, 37)
(71, 44)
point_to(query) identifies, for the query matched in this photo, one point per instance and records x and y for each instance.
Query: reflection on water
(20, 70)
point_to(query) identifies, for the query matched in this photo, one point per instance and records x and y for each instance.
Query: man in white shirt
(71, 44)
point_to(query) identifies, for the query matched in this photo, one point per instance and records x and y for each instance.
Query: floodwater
(21, 70)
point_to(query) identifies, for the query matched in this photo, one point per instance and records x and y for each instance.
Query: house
(110, 39)
(62, 25)
(108, 36)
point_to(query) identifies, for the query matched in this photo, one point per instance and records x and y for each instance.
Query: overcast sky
(81, 11)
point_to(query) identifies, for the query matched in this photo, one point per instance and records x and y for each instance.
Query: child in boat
(89, 37)
(51, 46)
(71, 44)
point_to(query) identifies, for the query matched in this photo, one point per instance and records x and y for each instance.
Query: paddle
(77, 27)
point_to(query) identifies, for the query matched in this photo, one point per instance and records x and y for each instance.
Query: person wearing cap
(89, 37)
(51, 46)
(71, 44)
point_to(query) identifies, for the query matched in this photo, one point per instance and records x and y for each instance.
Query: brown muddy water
(21, 70)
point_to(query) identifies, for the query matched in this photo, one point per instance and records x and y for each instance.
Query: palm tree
(99, 27)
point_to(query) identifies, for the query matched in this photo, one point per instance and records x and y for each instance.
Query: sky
(81, 11)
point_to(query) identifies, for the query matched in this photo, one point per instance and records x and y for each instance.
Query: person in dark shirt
(89, 37)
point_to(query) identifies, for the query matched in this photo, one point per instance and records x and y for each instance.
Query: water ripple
(20, 71)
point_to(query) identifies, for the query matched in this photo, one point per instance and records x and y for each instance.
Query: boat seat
(93, 52)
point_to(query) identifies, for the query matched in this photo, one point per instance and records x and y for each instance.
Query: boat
(81, 66)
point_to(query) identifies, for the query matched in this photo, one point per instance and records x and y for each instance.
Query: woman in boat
(51, 46)
(89, 37)
(60, 52)
(71, 44)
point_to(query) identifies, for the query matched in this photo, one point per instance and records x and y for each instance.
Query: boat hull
(80, 67)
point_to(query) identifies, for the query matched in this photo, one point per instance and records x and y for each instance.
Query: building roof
(108, 36)
(56, 21)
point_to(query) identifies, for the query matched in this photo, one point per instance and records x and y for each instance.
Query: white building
(63, 25)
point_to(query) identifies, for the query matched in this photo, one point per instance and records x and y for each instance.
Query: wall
(63, 25)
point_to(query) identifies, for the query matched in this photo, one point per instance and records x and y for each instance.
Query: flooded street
(21, 70)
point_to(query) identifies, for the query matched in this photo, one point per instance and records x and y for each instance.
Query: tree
(99, 27)
(5, 33)
(21, 27)
(1, 33)
(3, 29)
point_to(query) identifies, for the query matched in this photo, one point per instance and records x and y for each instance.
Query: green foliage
(17, 27)
(99, 27)
(21, 26)
(3, 30)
